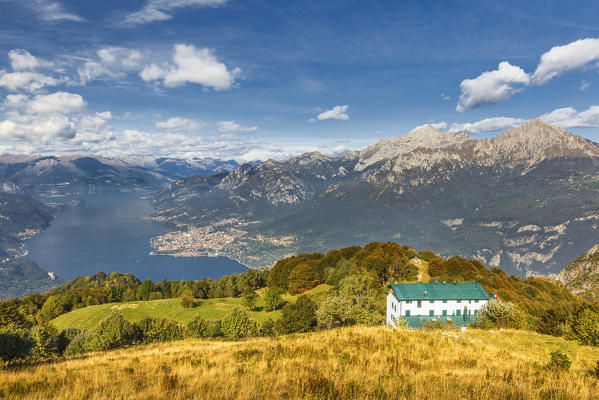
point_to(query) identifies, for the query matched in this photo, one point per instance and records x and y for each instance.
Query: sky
(252, 79)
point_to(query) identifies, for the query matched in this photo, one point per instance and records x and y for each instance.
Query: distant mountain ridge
(526, 201)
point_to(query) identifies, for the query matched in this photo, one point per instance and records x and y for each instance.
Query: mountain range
(526, 201)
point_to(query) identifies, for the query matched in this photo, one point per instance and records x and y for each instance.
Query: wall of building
(396, 309)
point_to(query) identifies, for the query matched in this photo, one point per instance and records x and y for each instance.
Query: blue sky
(259, 79)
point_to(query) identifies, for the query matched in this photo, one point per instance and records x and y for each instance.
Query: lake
(108, 233)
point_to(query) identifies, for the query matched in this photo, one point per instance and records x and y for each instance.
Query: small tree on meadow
(238, 325)
(297, 317)
(586, 327)
(15, 344)
(46, 343)
(250, 299)
(272, 299)
(500, 314)
(113, 332)
(156, 329)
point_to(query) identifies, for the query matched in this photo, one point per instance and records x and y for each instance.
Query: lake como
(108, 233)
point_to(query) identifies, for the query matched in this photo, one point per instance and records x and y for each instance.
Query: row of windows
(433, 302)
(458, 313)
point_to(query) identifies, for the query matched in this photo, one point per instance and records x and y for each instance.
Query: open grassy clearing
(88, 317)
(349, 363)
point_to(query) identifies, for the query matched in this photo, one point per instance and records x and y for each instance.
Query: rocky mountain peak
(426, 136)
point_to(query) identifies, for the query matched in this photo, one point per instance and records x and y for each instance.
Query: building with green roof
(419, 303)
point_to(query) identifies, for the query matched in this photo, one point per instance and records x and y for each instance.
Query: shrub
(267, 328)
(156, 329)
(401, 323)
(250, 299)
(215, 328)
(500, 314)
(188, 302)
(45, 342)
(66, 337)
(272, 299)
(78, 345)
(297, 317)
(197, 328)
(432, 325)
(238, 325)
(301, 278)
(15, 344)
(54, 306)
(586, 327)
(111, 333)
(559, 361)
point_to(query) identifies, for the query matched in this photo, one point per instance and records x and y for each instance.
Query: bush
(586, 327)
(559, 361)
(54, 306)
(111, 333)
(197, 328)
(156, 329)
(78, 345)
(15, 344)
(215, 328)
(188, 302)
(238, 325)
(272, 299)
(301, 278)
(267, 328)
(401, 323)
(46, 343)
(297, 317)
(250, 299)
(500, 314)
(66, 337)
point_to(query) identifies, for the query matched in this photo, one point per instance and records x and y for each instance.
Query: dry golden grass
(353, 363)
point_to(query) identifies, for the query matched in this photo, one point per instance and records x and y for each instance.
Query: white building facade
(422, 302)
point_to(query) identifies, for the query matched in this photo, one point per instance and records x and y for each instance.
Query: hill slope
(353, 363)
(526, 201)
(582, 275)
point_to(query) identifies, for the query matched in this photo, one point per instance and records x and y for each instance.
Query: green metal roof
(439, 291)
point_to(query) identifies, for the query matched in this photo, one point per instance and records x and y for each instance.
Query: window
(476, 301)
(459, 301)
(407, 313)
(432, 301)
(431, 313)
(408, 301)
(444, 313)
(475, 312)
(458, 312)
(444, 301)
(419, 303)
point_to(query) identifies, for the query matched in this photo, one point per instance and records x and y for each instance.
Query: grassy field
(88, 317)
(349, 363)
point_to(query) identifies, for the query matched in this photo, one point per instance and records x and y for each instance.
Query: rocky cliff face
(526, 201)
(582, 275)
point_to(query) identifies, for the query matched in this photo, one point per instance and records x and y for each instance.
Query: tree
(250, 298)
(500, 314)
(113, 332)
(297, 317)
(156, 329)
(46, 343)
(144, 290)
(15, 344)
(301, 278)
(54, 306)
(586, 327)
(198, 328)
(187, 300)
(357, 302)
(238, 325)
(272, 299)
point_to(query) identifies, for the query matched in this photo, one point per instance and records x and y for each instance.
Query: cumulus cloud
(178, 124)
(486, 125)
(159, 10)
(29, 81)
(438, 125)
(232, 126)
(568, 117)
(192, 65)
(59, 102)
(111, 62)
(561, 59)
(337, 112)
(23, 60)
(584, 85)
(492, 87)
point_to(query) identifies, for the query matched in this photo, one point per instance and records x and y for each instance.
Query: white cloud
(486, 125)
(178, 124)
(158, 10)
(337, 112)
(438, 125)
(492, 87)
(445, 97)
(584, 85)
(23, 60)
(568, 117)
(50, 11)
(192, 65)
(59, 102)
(561, 59)
(112, 62)
(29, 81)
(231, 126)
